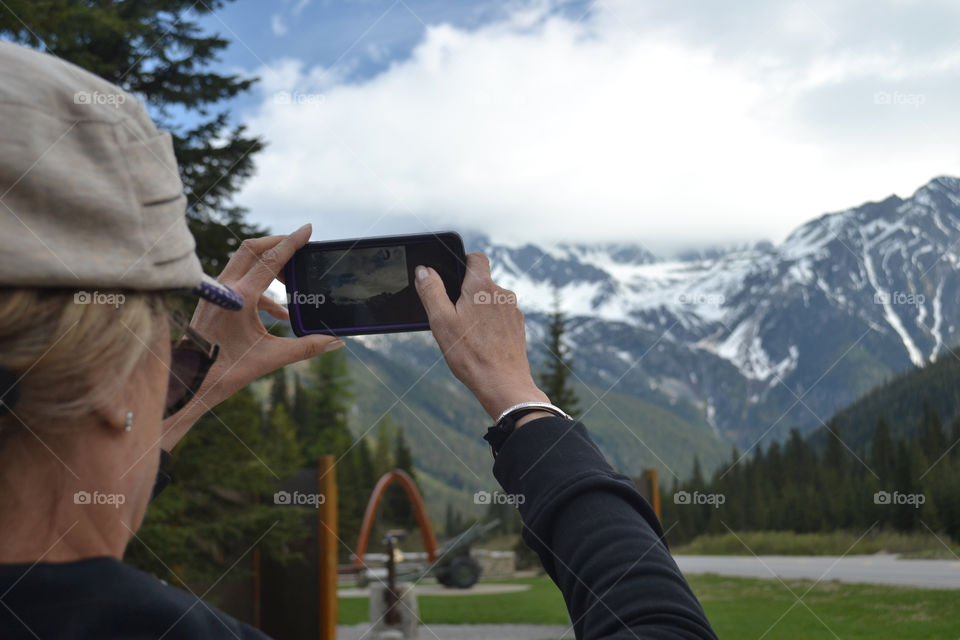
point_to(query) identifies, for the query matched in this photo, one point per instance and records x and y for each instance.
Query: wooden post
(648, 487)
(256, 587)
(327, 547)
(256, 579)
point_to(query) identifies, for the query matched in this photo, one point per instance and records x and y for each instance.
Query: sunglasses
(191, 357)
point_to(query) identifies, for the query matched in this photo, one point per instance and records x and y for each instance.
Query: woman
(92, 238)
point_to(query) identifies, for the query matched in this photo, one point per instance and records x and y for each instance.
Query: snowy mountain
(753, 340)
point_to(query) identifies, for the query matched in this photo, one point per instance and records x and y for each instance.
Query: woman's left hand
(247, 350)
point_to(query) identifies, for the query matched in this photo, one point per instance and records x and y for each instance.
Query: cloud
(277, 25)
(636, 122)
(300, 6)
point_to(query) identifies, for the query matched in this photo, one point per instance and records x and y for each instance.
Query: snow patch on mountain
(858, 261)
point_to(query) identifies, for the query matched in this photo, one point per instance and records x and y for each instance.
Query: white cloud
(300, 6)
(623, 125)
(277, 25)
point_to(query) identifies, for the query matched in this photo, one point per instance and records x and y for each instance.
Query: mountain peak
(945, 183)
(732, 338)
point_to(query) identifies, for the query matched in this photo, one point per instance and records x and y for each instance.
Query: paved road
(434, 589)
(872, 569)
(469, 632)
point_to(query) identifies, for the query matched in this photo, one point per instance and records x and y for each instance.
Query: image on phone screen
(367, 286)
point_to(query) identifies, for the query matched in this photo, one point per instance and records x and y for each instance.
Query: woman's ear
(115, 416)
(120, 412)
(142, 396)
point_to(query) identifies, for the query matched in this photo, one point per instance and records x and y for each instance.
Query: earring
(128, 424)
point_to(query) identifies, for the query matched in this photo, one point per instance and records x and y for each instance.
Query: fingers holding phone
(482, 336)
(247, 350)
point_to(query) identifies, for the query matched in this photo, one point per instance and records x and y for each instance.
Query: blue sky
(360, 37)
(364, 33)
(671, 124)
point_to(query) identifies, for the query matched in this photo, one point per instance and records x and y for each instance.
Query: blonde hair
(73, 350)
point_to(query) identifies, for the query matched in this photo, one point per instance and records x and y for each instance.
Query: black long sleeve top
(597, 538)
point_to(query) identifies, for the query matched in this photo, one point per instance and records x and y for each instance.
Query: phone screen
(367, 286)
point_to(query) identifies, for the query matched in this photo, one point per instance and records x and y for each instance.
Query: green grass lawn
(836, 543)
(738, 608)
(751, 608)
(541, 604)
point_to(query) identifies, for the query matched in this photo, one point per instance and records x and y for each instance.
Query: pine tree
(325, 401)
(280, 441)
(355, 480)
(734, 486)
(278, 392)
(299, 411)
(397, 509)
(555, 380)
(905, 516)
(798, 458)
(402, 456)
(944, 480)
(383, 446)
(933, 441)
(698, 514)
(774, 480)
(156, 50)
(366, 476)
(835, 456)
(326, 429)
(883, 452)
(954, 444)
(452, 522)
(756, 512)
(696, 475)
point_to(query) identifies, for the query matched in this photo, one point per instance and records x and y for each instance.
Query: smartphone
(364, 286)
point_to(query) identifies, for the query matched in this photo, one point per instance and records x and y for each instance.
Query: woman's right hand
(247, 350)
(482, 337)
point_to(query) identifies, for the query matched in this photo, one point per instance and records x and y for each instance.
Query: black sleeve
(598, 539)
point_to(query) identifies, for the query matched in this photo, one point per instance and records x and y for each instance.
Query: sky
(673, 125)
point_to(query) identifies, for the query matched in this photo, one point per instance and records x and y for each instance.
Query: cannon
(454, 566)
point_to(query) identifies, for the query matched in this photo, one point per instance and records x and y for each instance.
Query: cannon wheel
(462, 573)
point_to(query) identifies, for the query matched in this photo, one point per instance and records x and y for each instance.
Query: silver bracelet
(545, 406)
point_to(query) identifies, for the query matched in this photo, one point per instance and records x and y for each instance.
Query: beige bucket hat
(90, 192)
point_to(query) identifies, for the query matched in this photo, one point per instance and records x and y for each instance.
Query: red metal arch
(419, 510)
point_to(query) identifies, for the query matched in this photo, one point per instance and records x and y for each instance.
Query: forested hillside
(891, 461)
(901, 402)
